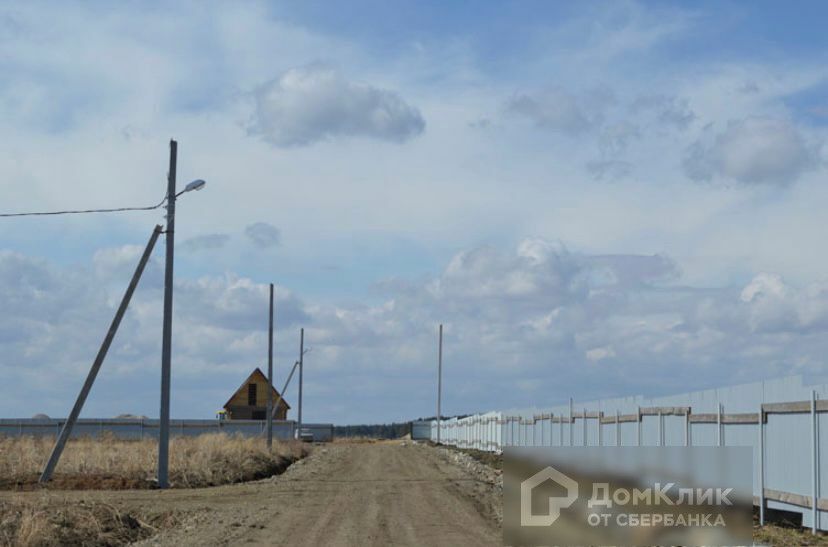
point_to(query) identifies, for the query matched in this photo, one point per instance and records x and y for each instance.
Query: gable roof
(257, 372)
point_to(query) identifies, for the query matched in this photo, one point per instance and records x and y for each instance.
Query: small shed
(249, 402)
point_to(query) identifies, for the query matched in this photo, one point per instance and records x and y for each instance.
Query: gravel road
(346, 494)
(384, 493)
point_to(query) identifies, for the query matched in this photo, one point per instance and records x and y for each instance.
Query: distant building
(249, 402)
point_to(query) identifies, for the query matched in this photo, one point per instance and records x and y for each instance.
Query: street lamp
(166, 343)
(166, 338)
(196, 185)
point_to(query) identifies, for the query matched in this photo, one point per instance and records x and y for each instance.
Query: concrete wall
(142, 429)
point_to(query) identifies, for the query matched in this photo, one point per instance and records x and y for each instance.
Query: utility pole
(166, 340)
(270, 375)
(439, 382)
(301, 369)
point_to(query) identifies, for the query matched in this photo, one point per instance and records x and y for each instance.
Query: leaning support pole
(66, 431)
(287, 383)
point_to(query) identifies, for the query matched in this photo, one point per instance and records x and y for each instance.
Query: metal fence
(136, 429)
(780, 419)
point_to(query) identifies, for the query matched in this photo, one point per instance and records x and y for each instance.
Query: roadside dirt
(387, 493)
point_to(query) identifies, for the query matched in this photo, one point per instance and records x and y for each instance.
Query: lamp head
(197, 184)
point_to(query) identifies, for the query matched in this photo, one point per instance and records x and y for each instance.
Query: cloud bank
(533, 323)
(315, 103)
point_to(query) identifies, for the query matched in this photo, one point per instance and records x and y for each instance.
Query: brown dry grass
(110, 463)
(46, 521)
(784, 534)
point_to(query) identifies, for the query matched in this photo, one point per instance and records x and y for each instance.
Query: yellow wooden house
(249, 402)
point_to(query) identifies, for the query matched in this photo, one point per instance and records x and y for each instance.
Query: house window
(251, 394)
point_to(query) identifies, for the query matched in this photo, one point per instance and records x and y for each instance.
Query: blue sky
(596, 199)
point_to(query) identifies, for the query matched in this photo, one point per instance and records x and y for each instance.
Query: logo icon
(555, 503)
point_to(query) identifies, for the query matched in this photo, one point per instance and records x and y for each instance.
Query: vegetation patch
(45, 521)
(109, 463)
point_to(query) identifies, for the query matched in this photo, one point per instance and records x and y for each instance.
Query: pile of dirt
(487, 490)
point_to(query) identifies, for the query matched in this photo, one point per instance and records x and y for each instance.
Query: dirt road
(342, 494)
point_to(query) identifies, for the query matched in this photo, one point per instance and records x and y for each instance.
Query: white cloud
(775, 306)
(754, 150)
(553, 109)
(263, 235)
(314, 103)
(204, 242)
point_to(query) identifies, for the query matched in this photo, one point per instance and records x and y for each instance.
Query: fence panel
(787, 470)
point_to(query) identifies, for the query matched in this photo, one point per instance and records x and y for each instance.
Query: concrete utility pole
(439, 382)
(301, 370)
(166, 340)
(270, 375)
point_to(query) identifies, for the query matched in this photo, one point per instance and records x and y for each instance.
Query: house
(249, 402)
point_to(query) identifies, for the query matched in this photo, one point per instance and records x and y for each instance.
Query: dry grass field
(113, 464)
(48, 520)
(110, 463)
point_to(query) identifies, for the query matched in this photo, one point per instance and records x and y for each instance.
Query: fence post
(639, 425)
(814, 463)
(600, 427)
(719, 425)
(584, 428)
(687, 427)
(660, 428)
(571, 422)
(534, 430)
(617, 427)
(761, 465)
(560, 424)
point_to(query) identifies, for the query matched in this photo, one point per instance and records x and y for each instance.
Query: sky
(596, 199)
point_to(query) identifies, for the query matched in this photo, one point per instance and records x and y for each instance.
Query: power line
(82, 211)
